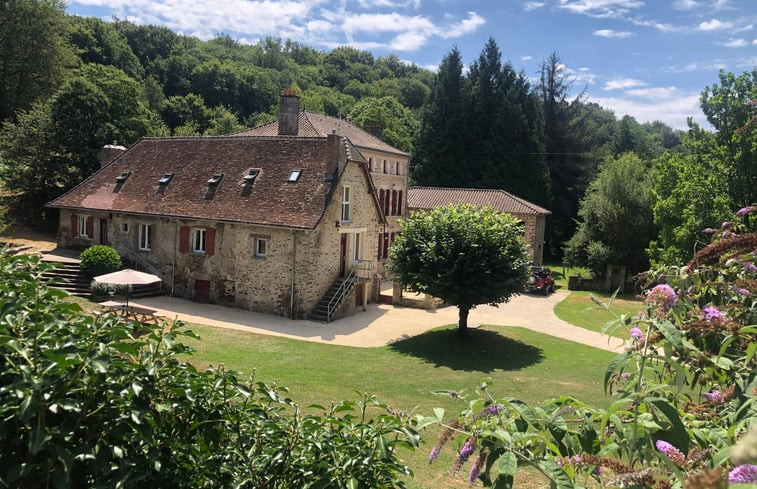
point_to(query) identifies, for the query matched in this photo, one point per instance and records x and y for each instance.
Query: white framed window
(145, 237)
(260, 247)
(82, 226)
(358, 252)
(346, 208)
(198, 240)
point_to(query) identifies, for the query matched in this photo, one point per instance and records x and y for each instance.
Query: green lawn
(561, 273)
(580, 310)
(521, 363)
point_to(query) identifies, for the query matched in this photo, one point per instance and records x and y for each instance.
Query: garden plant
(683, 391)
(95, 401)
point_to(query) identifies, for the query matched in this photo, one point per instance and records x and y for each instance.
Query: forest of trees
(93, 82)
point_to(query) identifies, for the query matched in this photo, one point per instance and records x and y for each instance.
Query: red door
(359, 294)
(202, 290)
(343, 257)
(103, 231)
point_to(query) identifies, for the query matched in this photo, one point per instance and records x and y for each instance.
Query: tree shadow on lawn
(480, 351)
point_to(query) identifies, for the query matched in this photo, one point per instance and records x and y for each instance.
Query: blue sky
(647, 58)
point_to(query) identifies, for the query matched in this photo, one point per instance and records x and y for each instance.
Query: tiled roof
(430, 197)
(271, 200)
(319, 125)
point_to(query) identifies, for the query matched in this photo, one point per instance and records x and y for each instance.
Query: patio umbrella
(127, 276)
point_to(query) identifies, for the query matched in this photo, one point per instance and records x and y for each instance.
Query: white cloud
(463, 27)
(685, 4)
(371, 4)
(623, 83)
(653, 93)
(714, 25)
(754, 43)
(529, 6)
(735, 43)
(601, 8)
(722, 4)
(526, 58)
(609, 33)
(672, 110)
(745, 28)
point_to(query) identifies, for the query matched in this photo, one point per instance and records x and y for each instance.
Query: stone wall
(235, 274)
(534, 235)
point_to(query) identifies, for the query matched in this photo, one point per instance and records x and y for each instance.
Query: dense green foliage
(99, 260)
(93, 401)
(615, 218)
(463, 255)
(684, 392)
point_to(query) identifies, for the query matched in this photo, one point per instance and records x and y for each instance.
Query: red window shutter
(90, 227)
(381, 199)
(210, 241)
(385, 253)
(184, 239)
(74, 225)
(386, 203)
(394, 202)
(399, 203)
(380, 242)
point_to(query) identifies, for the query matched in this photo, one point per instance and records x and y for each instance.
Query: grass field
(521, 363)
(579, 309)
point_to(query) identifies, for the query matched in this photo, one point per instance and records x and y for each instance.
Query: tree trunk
(462, 324)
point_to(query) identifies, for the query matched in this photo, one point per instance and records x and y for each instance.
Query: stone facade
(234, 272)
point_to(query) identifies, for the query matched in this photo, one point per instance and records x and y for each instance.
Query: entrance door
(359, 293)
(202, 290)
(103, 231)
(343, 256)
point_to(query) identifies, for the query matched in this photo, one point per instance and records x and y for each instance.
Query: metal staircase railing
(361, 271)
(126, 250)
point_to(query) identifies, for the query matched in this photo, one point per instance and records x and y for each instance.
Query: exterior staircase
(325, 310)
(69, 277)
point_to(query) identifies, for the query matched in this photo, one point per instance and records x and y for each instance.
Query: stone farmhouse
(285, 219)
(388, 166)
(532, 216)
(294, 217)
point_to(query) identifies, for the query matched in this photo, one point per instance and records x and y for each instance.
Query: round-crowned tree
(462, 254)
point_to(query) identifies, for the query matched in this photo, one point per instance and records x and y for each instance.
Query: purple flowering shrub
(684, 391)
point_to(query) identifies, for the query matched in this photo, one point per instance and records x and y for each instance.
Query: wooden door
(202, 290)
(343, 256)
(103, 231)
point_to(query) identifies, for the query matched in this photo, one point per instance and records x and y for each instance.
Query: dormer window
(294, 176)
(165, 179)
(122, 177)
(215, 179)
(249, 179)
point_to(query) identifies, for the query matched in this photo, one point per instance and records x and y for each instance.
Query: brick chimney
(109, 152)
(375, 128)
(332, 153)
(289, 113)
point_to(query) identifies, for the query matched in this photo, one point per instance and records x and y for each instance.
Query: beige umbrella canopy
(127, 276)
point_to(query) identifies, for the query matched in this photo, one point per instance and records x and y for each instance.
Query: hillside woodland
(620, 192)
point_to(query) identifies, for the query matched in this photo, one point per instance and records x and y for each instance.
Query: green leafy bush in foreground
(683, 392)
(99, 260)
(93, 401)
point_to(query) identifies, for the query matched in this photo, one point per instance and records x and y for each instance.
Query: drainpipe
(173, 265)
(291, 287)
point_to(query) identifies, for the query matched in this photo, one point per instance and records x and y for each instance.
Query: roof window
(165, 178)
(249, 179)
(215, 179)
(294, 176)
(122, 177)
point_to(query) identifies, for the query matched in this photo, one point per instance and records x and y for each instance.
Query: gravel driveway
(383, 324)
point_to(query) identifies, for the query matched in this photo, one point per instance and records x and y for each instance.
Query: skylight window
(165, 179)
(215, 179)
(294, 176)
(249, 179)
(122, 177)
